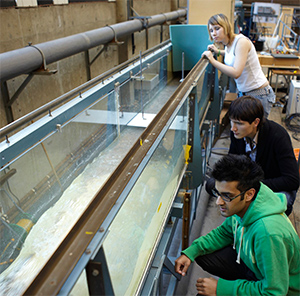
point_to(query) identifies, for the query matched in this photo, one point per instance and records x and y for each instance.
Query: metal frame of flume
(84, 95)
(200, 108)
(62, 270)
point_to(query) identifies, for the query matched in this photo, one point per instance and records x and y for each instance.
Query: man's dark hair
(233, 167)
(246, 108)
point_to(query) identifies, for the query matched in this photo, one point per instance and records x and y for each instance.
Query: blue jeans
(266, 95)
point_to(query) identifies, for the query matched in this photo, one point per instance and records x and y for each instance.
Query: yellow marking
(159, 207)
(187, 149)
(141, 142)
(10, 260)
(89, 232)
(25, 224)
(6, 247)
(5, 262)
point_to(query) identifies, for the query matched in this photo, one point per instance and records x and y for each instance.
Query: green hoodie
(267, 243)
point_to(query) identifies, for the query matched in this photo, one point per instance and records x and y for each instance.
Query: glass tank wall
(138, 224)
(44, 191)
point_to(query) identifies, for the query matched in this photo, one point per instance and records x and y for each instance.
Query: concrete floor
(279, 117)
(186, 286)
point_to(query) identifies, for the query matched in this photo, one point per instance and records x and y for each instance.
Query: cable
(293, 124)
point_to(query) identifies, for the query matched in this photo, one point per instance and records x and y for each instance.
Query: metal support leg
(147, 38)
(141, 78)
(186, 220)
(170, 266)
(5, 96)
(276, 85)
(87, 64)
(98, 277)
(182, 67)
(20, 89)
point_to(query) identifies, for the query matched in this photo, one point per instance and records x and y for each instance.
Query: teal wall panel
(190, 39)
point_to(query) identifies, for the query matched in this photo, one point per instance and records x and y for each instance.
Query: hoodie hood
(276, 203)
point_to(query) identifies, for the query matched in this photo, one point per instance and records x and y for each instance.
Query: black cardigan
(275, 155)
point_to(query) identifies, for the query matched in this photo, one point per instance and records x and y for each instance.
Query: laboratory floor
(202, 225)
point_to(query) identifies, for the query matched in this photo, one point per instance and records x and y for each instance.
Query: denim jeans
(266, 95)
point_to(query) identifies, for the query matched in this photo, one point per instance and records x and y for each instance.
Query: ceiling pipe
(32, 57)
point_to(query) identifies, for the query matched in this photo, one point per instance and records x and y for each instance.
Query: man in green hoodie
(256, 250)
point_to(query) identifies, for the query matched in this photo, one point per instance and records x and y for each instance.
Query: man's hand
(207, 286)
(182, 264)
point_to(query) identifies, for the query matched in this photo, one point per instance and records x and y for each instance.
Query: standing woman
(241, 61)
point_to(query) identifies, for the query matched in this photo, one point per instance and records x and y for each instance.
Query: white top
(252, 76)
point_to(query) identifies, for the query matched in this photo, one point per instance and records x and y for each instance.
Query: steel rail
(74, 92)
(56, 271)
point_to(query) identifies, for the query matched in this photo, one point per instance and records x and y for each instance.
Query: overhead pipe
(32, 57)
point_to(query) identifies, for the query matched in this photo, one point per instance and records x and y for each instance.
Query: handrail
(51, 278)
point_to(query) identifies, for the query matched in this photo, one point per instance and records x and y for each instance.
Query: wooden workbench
(278, 63)
(284, 72)
(271, 62)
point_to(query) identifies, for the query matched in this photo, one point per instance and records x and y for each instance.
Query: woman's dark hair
(239, 168)
(246, 108)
